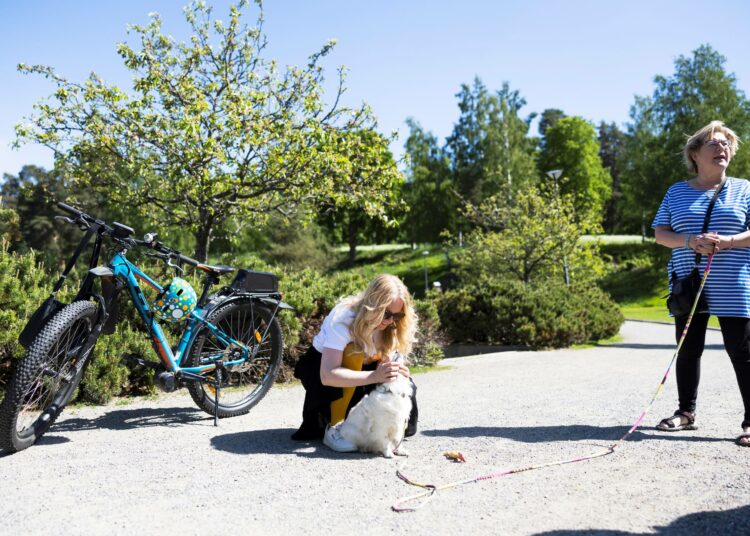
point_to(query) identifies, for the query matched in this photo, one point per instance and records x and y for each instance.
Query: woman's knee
(740, 353)
(736, 332)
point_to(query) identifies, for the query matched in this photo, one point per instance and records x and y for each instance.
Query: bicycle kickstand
(216, 394)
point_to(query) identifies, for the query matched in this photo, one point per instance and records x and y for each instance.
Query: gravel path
(160, 467)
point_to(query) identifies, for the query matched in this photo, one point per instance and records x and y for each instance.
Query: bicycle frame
(131, 275)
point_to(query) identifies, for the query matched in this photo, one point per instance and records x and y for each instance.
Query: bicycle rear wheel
(243, 385)
(46, 377)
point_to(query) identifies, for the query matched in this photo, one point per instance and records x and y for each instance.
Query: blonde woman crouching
(357, 347)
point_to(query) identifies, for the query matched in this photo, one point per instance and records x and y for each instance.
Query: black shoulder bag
(51, 306)
(685, 289)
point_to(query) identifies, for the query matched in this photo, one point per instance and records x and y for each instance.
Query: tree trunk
(351, 230)
(203, 237)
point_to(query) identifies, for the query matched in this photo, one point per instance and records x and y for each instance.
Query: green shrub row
(541, 315)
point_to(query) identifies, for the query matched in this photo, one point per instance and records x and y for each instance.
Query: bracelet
(731, 242)
(687, 241)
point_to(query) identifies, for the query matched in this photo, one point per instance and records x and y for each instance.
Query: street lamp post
(426, 285)
(555, 174)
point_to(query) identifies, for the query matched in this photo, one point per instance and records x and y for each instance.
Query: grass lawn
(654, 313)
(404, 262)
(641, 294)
(616, 239)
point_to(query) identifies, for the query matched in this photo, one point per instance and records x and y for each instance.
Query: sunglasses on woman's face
(395, 316)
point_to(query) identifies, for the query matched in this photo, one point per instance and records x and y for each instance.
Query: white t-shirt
(334, 333)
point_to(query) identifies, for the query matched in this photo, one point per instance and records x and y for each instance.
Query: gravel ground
(159, 466)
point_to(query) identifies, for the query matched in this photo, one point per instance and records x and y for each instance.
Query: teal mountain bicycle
(228, 353)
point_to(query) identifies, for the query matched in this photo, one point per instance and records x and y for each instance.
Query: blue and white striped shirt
(684, 209)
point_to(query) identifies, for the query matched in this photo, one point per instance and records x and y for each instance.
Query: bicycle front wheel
(243, 385)
(46, 377)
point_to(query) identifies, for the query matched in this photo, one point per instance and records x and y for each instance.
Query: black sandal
(744, 435)
(675, 424)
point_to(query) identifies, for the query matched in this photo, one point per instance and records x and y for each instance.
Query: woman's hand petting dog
(386, 372)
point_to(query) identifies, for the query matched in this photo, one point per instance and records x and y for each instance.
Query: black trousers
(736, 334)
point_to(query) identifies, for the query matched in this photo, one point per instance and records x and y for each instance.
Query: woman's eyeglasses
(714, 144)
(395, 316)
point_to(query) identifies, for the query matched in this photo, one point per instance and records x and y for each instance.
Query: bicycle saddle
(218, 269)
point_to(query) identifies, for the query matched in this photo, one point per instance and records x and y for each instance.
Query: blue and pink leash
(432, 489)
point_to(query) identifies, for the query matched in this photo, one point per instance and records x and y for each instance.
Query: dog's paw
(401, 451)
(388, 453)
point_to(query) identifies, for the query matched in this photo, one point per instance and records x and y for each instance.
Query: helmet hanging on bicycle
(176, 301)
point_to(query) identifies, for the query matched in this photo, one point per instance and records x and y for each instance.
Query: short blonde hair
(697, 140)
(369, 309)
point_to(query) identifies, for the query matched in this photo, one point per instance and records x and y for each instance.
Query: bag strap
(71, 262)
(708, 214)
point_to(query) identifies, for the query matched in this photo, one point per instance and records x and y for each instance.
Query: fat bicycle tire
(243, 385)
(46, 377)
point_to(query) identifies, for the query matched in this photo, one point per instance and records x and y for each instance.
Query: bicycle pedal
(135, 360)
(165, 381)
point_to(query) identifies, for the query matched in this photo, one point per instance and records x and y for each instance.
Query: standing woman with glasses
(359, 345)
(678, 225)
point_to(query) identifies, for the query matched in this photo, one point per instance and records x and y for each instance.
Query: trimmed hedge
(548, 315)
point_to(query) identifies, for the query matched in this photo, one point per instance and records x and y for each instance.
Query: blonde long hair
(369, 309)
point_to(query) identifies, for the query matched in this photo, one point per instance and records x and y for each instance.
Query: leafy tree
(212, 131)
(699, 91)
(612, 143)
(529, 238)
(571, 144)
(509, 153)
(363, 222)
(429, 190)
(34, 192)
(549, 117)
(489, 147)
(296, 245)
(467, 142)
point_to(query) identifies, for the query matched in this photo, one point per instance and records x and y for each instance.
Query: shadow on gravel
(127, 419)
(276, 441)
(700, 523)
(51, 440)
(651, 346)
(574, 432)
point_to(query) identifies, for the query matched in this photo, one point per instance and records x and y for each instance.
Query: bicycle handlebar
(167, 252)
(68, 208)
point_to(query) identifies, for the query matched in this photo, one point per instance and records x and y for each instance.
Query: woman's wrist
(687, 240)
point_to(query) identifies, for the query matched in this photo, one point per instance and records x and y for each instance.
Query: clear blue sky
(405, 58)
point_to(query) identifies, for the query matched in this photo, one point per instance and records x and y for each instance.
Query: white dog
(378, 421)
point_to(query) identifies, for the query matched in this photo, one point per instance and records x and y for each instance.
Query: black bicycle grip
(68, 208)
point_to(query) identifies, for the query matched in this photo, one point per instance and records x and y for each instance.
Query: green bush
(428, 348)
(23, 286)
(543, 315)
(634, 271)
